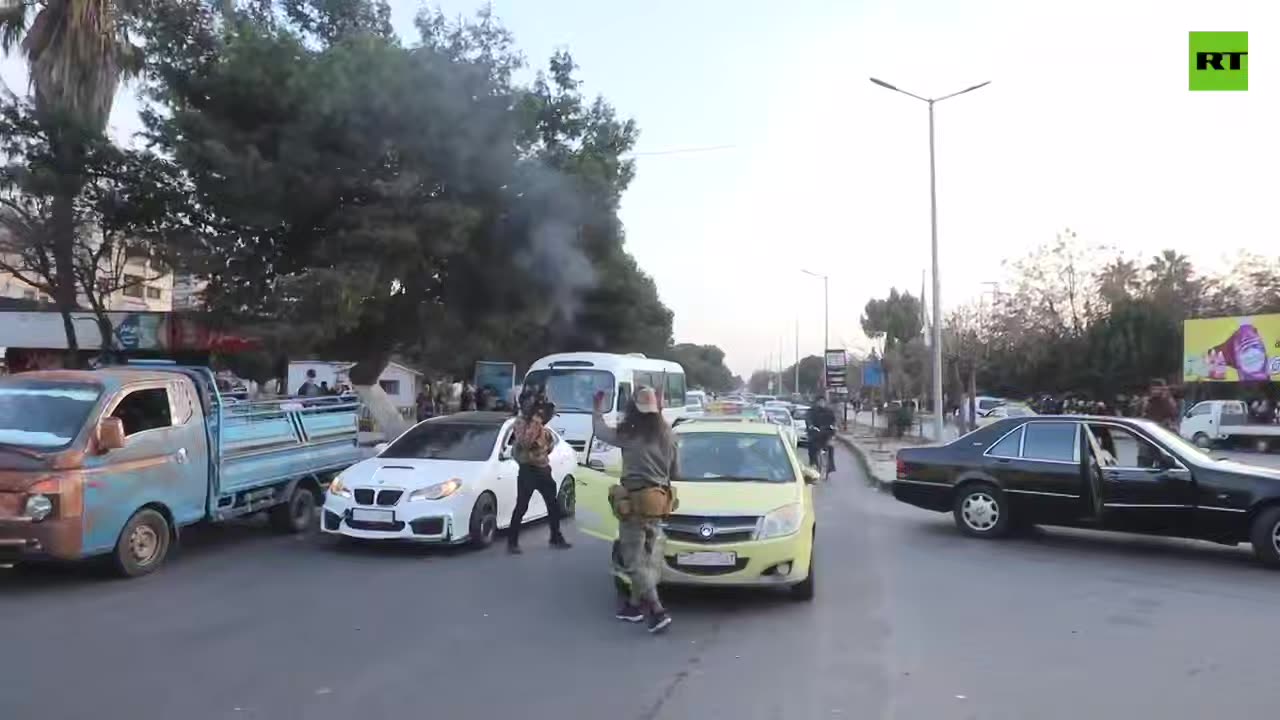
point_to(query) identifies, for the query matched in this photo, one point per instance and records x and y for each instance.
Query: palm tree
(77, 52)
(1118, 280)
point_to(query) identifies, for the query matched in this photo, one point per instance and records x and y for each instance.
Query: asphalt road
(911, 621)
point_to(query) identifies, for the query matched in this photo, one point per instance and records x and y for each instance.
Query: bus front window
(574, 390)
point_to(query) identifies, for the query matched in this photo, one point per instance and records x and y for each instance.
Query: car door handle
(1111, 475)
(181, 456)
(1003, 461)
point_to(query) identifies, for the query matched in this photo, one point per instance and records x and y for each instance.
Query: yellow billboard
(1231, 349)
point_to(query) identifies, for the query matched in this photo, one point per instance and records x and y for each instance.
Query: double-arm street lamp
(937, 283)
(826, 322)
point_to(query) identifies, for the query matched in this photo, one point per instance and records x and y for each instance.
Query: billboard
(837, 362)
(1231, 349)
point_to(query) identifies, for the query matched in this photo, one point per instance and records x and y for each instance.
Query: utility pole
(933, 222)
(797, 355)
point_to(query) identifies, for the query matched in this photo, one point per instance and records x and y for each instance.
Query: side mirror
(810, 475)
(1165, 462)
(380, 447)
(110, 434)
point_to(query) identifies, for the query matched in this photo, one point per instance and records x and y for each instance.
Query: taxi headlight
(439, 491)
(338, 489)
(598, 445)
(784, 521)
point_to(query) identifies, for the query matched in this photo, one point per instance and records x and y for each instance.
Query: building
(400, 383)
(146, 289)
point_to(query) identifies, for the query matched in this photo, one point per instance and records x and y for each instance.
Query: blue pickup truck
(115, 461)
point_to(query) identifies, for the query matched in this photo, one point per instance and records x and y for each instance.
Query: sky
(1087, 124)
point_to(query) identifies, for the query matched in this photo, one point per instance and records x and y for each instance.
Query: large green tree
(365, 197)
(703, 366)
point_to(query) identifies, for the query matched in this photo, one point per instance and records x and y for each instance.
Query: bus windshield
(573, 390)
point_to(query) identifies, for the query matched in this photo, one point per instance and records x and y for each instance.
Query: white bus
(573, 379)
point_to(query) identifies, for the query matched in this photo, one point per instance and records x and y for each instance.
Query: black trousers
(816, 443)
(531, 478)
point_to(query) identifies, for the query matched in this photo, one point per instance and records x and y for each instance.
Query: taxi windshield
(719, 457)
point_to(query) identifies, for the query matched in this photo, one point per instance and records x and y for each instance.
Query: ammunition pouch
(652, 503)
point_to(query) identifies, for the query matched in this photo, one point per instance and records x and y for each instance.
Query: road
(911, 621)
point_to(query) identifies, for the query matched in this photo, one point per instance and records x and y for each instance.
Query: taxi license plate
(707, 559)
(380, 516)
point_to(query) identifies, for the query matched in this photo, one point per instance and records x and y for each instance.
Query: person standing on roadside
(532, 450)
(1160, 407)
(467, 398)
(641, 500)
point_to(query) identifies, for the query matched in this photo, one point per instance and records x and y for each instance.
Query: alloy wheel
(980, 511)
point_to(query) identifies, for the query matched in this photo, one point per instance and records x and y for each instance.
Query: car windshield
(737, 457)
(434, 440)
(574, 390)
(44, 415)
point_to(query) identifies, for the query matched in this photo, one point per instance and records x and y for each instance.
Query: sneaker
(629, 613)
(659, 621)
(560, 543)
(514, 550)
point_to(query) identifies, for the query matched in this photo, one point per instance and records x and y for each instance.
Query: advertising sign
(837, 362)
(1231, 349)
(872, 374)
(499, 377)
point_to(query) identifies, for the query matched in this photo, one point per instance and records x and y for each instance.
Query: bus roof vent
(639, 355)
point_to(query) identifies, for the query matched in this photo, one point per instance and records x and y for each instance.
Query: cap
(646, 400)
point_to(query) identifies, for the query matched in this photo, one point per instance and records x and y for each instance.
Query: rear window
(1050, 441)
(444, 441)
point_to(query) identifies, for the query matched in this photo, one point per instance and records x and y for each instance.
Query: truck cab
(1226, 421)
(115, 461)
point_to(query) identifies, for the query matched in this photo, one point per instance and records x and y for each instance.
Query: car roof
(474, 417)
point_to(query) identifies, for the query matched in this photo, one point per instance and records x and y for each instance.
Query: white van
(695, 401)
(573, 379)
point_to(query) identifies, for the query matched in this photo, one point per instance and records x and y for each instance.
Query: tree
(703, 366)
(77, 52)
(121, 213)
(448, 213)
(812, 369)
(898, 320)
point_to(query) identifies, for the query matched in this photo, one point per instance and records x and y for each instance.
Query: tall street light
(937, 283)
(826, 321)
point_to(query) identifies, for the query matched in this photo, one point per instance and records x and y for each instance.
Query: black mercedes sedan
(1107, 473)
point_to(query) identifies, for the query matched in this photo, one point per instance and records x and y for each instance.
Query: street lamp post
(826, 322)
(937, 283)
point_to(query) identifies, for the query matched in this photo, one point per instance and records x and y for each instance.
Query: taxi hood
(711, 497)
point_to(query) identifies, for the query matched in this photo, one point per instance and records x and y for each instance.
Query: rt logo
(1219, 61)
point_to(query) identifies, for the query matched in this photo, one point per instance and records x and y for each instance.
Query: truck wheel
(981, 511)
(143, 544)
(483, 525)
(296, 515)
(1202, 441)
(1265, 536)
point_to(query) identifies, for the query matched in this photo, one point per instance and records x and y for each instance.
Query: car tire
(1264, 534)
(143, 544)
(980, 510)
(1202, 441)
(296, 515)
(567, 497)
(483, 526)
(805, 590)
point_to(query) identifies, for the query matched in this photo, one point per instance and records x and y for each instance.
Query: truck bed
(262, 443)
(1249, 429)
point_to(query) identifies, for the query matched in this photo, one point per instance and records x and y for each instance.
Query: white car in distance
(447, 480)
(1001, 412)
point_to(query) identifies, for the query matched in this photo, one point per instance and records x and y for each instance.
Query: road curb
(880, 483)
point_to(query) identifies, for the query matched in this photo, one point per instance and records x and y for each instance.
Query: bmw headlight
(439, 491)
(784, 521)
(39, 507)
(338, 489)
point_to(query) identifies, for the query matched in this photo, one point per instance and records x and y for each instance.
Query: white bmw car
(449, 480)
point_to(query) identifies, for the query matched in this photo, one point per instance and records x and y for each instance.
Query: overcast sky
(1087, 124)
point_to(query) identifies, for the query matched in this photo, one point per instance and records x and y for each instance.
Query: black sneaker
(629, 613)
(560, 543)
(514, 550)
(659, 621)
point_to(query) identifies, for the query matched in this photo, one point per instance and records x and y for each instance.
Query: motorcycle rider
(820, 424)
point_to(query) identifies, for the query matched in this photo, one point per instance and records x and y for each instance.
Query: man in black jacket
(820, 425)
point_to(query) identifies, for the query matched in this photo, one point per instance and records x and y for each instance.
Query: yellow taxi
(745, 515)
